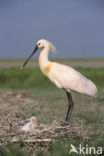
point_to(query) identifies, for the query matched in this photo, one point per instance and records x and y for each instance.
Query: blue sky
(75, 27)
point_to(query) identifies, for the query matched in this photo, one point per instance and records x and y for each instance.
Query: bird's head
(44, 43)
(33, 120)
(41, 44)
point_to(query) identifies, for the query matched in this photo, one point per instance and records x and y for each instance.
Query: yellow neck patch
(47, 69)
(42, 49)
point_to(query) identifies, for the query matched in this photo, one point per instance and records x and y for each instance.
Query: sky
(75, 27)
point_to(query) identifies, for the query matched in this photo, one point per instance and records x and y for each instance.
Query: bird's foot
(65, 123)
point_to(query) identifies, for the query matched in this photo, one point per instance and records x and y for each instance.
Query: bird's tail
(92, 89)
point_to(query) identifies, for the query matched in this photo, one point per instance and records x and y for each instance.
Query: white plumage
(31, 125)
(62, 76)
(68, 78)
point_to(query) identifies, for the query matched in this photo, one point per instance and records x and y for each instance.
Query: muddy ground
(82, 63)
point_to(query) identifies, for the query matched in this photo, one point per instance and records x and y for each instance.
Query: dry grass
(14, 105)
(48, 103)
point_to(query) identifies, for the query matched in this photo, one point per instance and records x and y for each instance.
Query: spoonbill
(62, 76)
(31, 125)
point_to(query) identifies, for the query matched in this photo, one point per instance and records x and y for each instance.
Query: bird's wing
(26, 127)
(68, 78)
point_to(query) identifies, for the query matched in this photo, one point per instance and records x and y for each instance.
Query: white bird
(31, 125)
(62, 76)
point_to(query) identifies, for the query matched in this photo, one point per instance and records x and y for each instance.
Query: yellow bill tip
(21, 68)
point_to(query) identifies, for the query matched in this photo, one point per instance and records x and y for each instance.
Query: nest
(43, 135)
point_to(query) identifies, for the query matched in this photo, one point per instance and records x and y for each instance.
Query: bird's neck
(45, 64)
(43, 58)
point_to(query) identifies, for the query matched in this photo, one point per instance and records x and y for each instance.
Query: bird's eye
(38, 43)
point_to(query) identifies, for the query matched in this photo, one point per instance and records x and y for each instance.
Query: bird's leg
(70, 107)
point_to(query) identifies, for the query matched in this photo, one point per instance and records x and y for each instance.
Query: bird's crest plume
(53, 49)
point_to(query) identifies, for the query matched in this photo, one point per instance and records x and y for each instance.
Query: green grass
(51, 104)
(61, 59)
(59, 148)
(32, 77)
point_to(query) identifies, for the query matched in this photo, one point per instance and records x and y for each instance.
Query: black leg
(70, 107)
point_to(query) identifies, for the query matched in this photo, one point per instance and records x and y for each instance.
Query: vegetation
(13, 150)
(56, 59)
(51, 104)
(32, 78)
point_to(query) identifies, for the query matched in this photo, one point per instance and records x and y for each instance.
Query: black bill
(35, 49)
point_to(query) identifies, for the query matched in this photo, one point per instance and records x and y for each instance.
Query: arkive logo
(85, 149)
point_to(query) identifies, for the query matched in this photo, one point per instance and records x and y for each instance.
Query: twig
(33, 141)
